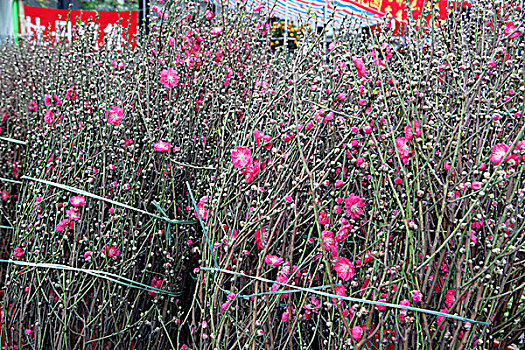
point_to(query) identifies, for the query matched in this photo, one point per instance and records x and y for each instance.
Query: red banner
(53, 24)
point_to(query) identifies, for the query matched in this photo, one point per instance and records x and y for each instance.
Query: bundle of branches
(11, 148)
(373, 195)
(102, 252)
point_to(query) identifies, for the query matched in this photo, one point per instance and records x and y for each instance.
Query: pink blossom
(18, 252)
(357, 332)
(328, 117)
(87, 255)
(492, 63)
(340, 291)
(416, 296)
(162, 146)
(209, 15)
(113, 252)
(203, 212)
(260, 237)
(381, 307)
(339, 183)
(344, 268)
(77, 201)
(257, 135)
(478, 224)
(169, 78)
(4, 195)
(267, 142)
(476, 185)
(273, 260)
(498, 153)
(409, 129)
(404, 302)
(354, 206)
(47, 100)
(288, 137)
(440, 319)
(343, 233)
(402, 147)
(72, 214)
(329, 242)
(309, 126)
(511, 30)
(48, 117)
(323, 218)
(63, 223)
(225, 307)
(241, 156)
(115, 115)
(156, 282)
(385, 53)
(250, 171)
(450, 297)
(32, 106)
(216, 30)
(340, 97)
(473, 237)
(360, 65)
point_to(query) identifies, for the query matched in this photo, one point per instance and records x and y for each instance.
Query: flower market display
(208, 187)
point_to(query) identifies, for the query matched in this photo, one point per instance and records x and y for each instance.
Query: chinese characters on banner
(52, 24)
(397, 10)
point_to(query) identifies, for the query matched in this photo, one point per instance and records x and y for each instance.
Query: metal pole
(324, 26)
(143, 20)
(286, 27)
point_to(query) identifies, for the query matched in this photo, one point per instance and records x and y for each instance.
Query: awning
(353, 12)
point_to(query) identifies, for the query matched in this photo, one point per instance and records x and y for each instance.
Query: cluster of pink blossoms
(115, 115)
(201, 207)
(242, 159)
(169, 78)
(501, 149)
(402, 143)
(72, 213)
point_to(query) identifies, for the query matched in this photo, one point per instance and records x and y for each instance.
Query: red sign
(53, 24)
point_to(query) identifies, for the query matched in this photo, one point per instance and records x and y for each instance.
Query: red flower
(273, 260)
(169, 78)
(323, 218)
(354, 206)
(241, 156)
(261, 240)
(162, 146)
(360, 65)
(510, 30)
(498, 153)
(77, 201)
(329, 242)
(155, 283)
(115, 115)
(344, 268)
(403, 149)
(18, 252)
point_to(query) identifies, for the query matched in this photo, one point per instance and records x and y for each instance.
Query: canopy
(354, 12)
